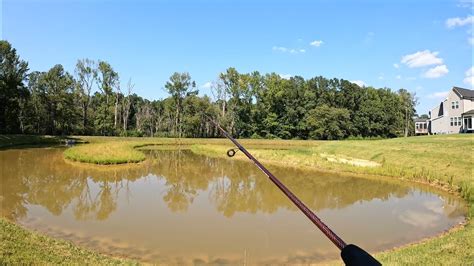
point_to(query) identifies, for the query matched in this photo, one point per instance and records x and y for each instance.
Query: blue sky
(423, 46)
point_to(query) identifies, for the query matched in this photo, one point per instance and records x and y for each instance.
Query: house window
(455, 105)
(456, 121)
(424, 126)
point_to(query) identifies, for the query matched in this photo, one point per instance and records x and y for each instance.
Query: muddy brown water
(181, 208)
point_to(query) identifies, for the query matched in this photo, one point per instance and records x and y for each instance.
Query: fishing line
(351, 254)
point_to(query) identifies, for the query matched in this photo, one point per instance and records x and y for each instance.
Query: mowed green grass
(113, 152)
(19, 247)
(116, 150)
(442, 161)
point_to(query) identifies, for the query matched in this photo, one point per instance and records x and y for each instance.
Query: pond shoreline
(387, 255)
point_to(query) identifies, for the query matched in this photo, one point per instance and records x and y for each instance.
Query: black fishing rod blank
(350, 254)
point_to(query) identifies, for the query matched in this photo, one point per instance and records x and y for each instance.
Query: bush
(256, 136)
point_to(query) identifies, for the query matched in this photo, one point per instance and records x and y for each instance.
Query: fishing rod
(350, 253)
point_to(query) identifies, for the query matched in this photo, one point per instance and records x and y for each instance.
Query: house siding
(440, 123)
(442, 115)
(454, 113)
(467, 105)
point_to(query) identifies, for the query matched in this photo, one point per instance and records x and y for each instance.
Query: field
(445, 162)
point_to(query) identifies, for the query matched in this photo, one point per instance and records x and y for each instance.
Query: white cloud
(436, 72)
(398, 77)
(469, 79)
(288, 50)
(419, 219)
(316, 43)
(285, 76)
(280, 49)
(206, 85)
(439, 95)
(422, 58)
(459, 22)
(470, 72)
(466, 4)
(359, 82)
(396, 65)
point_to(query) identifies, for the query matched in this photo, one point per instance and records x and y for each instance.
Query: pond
(181, 208)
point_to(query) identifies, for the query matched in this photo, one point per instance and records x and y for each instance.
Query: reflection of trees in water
(184, 176)
(13, 197)
(100, 205)
(237, 186)
(244, 190)
(234, 186)
(49, 181)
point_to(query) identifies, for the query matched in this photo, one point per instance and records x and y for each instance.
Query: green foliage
(180, 86)
(107, 80)
(246, 104)
(13, 94)
(86, 73)
(51, 105)
(330, 123)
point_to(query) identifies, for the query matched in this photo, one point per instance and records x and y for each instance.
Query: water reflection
(234, 186)
(178, 191)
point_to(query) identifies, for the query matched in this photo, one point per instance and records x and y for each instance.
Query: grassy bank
(20, 140)
(445, 161)
(20, 246)
(441, 161)
(115, 152)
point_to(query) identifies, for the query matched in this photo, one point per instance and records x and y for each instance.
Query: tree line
(92, 101)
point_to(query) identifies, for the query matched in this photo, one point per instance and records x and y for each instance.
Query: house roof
(470, 112)
(421, 120)
(464, 93)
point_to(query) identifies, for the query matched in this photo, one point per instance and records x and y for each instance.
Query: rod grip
(353, 255)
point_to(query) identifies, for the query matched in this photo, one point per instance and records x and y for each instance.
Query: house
(454, 114)
(421, 126)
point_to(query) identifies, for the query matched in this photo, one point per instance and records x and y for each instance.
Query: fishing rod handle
(353, 255)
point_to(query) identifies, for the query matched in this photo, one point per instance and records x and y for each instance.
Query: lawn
(20, 246)
(445, 162)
